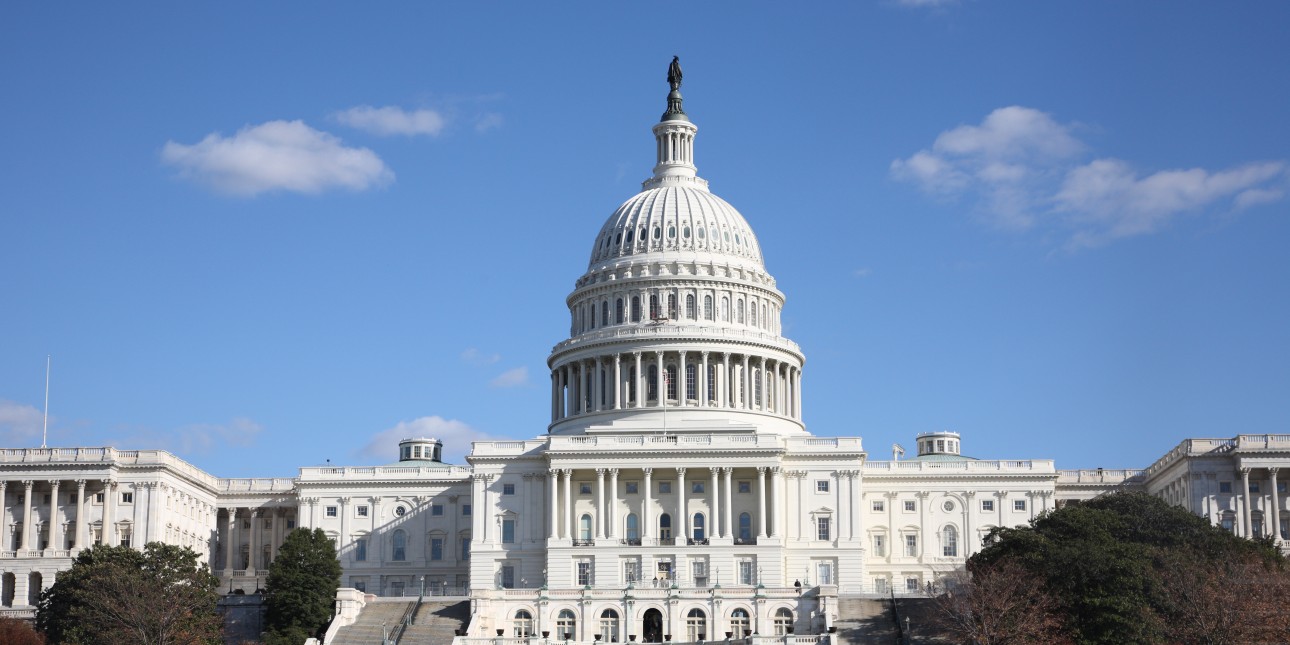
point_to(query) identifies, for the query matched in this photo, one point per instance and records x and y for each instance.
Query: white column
(730, 527)
(23, 540)
(682, 383)
(600, 503)
(682, 523)
(230, 522)
(55, 526)
(554, 504)
(568, 503)
(797, 393)
(648, 495)
(257, 539)
(154, 512)
(274, 537)
(703, 380)
(617, 403)
(597, 383)
(638, 381)
(611, 514)
(1276, 506)
(777, 502)
(661, 384)
(843, 519)
(4, 516)
(761, 502)
(1245, 501)
(747, 393)
(714, 518)
(555, 408)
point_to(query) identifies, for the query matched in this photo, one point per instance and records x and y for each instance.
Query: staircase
(373, 622)
(436, 623)
(865, 620)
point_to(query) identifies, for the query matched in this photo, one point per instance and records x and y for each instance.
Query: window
(465, 509)
(745, 527)
(950, 542)
(631, 488)
(707, 307)
(631, 572)
(508, 531)
(330, 511)
(880, 546)
(665, 526)
(584, 572)
(822, 527)
(784, 621)
(604, 313)
(609, 626)
(400, 546)
(824, 573)
(910, 506)
(880, 585)
(653, 308)
(436, 548)
(291, 524)
(746, 572)
(987, 505)
(98, 498)
(400, 510)
(696, 487)
(911, 584)
(1224, 487)
(508, 576)
(664, 488)
(633, 527)
(689, 307)
(465, 549)
(696, 625)
(636, 309)
(1254, 487)
(690, 391)
(699, 568)
(360, 550)
(671, 382)
(1228, 522)
(522, 625)
(698, 527)
(745, 487)
(361, 511)
(725, 309)
(436, 509)
(739, 623)
(1018, 504)
(821, 485)
(508, 489)
(618, 312)
(878, 506)
(911, 546)
(739, 311)
(584, 527)
(565, 624)
(126, 498)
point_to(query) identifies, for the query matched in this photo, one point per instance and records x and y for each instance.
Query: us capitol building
(676, 491)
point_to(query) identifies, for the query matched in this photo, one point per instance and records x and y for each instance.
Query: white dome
(686, 219)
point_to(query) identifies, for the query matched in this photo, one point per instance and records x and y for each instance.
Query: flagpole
(44, 433)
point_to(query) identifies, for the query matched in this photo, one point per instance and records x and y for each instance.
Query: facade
(676, 493)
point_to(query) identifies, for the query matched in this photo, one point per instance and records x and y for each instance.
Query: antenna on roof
(44, 433)
(897, 451)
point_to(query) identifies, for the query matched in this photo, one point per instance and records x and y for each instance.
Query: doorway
(652, 626)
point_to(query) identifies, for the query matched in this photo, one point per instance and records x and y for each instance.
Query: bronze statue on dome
(674, 73)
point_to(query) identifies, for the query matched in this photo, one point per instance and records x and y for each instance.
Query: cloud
(391, 120)
(862, 272)
(455, 435)
(277, 155)
(488, 121)
(19, 424)
(514, 377)
(196, 438)
(1025, 170)
(925, 3)
(475, 357)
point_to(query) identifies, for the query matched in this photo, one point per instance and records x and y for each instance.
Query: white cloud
(455, 435)
(392, 120)
(475, 357)
(19, 424)
(514, 377)
(488, 121)
(196, 438)
(1025, 170)
(277, 155)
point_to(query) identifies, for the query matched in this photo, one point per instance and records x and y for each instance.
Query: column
(730, 527)
(761, 502)
(636, 385)
(230, 522)
(646, 522)
(1276, 506)
(257, 538)
(597, 383)
(797, 393)
(274, 538)
(747, 393)
(714, 518)
(344, 525)
(682, 523)
(568, 503)
(612, 512)
(23, 542)
(723, 381)
(4, 516)
(969, 538)
(55, 526)
(154, 512)
(661, 379)
(682, 383)
(109, 513)
(703, 380)
(1245, 502)
(554, 476)
(777, 501)
(843, 519)
(765, 386)
(617, 403)
(600, 503)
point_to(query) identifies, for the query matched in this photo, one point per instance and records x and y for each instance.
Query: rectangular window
(631, 488)
(910, 506)
(361, 587)
(330, 511)
(746, 572)
(1018, 504)
(824, 573)
(291, 524)
(1223, 487)
(911, 546)
(436, 548)
(631, 572)
(880, 546)
(700, 570)
(98, 498)
(584, 572)
(745, 487)
(361, 511)
(821, 485)
(584, 488)
(1254, 487)
(508, 489)
(911, 584)
(987, 505)
(696, 488)
(508, 531)
(436, 509)
(822, 527)
(508, 576)
(465, 509)
(360, 550)
(126, 498)
(664, 488)
(465, 549)
(880, 585)
(879, 506)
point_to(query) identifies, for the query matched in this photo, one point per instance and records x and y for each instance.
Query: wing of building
(676, 493)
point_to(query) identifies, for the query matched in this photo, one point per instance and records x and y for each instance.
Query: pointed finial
(674, 111)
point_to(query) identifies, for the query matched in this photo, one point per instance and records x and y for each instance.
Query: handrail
(397, 633)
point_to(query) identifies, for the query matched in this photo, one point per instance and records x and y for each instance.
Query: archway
(652, 626)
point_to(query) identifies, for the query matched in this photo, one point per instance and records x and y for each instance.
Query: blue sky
(265, 236)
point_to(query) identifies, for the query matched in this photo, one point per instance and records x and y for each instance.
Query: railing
(1036, 466)
(745, 541)
(404, 621)
(257, 485)
(674, 329)
(393, 472)
(107, 456)
(584, 543)
(631, 542)
(1099, 476)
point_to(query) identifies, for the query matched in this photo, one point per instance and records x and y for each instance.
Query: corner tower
(675, 326)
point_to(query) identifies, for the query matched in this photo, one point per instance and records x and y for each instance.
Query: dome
(684, 219)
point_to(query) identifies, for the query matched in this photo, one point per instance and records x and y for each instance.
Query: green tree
(162, 595)
(1105, 562)
(301, 590)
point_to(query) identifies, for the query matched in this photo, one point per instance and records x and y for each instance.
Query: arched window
(653, 307)
(633, 528)
(671, 382)
(618, 312)
(783, 621)
(400, 540)
(636, 309)
(689, 306)
(631, 385)
(665, 526)
(725, 309)
(756, 373)
(752, 315)
(522, 624)
(712, 382)
(609, 626)
(604, 313)
(696, 625)
(592, 307)
(745, 527)
(739, 311)
(707, 307)
(630, 236)
(671, 306)
(689, 382)
(950, 541)
(651, 384)
(565, 624)
(584, 527)
(698, 527)
(739, 623)
(764, 320)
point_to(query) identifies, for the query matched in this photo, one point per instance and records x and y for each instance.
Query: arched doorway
(652, 626)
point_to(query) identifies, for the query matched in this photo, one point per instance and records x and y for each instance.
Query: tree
(1229, 602)
(1108, 562)
(301, 590)
(1002, 604)
(162, 595)
(17, 632)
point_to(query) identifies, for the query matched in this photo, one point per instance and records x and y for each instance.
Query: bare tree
(1000, 604)
(17, 632)
(1228, 602)
(130, 608)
